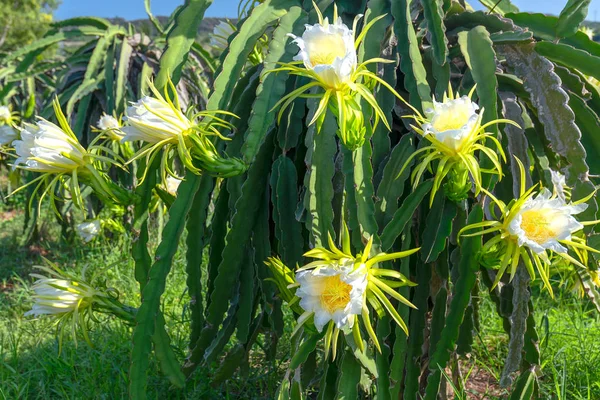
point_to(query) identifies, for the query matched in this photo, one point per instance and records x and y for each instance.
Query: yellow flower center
(537, 225)
(336, 294)
(453, 120)
(326, 49)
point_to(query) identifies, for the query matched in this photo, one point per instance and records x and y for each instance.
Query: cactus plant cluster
(387, 158)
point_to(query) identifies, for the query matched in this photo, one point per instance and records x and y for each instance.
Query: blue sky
(134, 9)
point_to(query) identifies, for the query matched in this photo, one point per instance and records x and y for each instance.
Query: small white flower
(560, 184)
(108, 122)
(89, 230)
(45, 147)
(110, 125)
(328, 50)
(58, 296)
(5, 114)
(333, 292)
(541, 222)
(220, 35)
(452, 122)
(172, 185)
(153, 121)
(7, 135)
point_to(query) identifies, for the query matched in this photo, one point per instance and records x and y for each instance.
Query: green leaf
(544, 27)
(404, 214)
(284, 197)
(122, 72)
(391, 187)
(179, 41)
(510, 37)
(492, 22)
(571, 57)
(99, 23)
(246, 302)
(589, 123)
(232, 258)
(501, 7)
(51, 39)
(411, 62)
(551, 103)
(434, 18)
(417, 330)
(152, 18)
(229, 364)
(318, 180)
(438, 228)
(363, 187)
(196, 241)
(272, 86)
(169, 364)
(525, 387)
(109, 78)
(478, 51)
(147, 313)
(261, 17)
(467, 268)
(308, 345)
(571, 17)
(347, 386)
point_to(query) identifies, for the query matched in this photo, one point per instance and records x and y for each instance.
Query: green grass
(30, 364)
(31, 367)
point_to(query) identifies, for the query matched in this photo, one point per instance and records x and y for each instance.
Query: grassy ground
(31, 368)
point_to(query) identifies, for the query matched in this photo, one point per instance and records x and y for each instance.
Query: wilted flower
(160, 123)
(172, 184)
(334, 290)
(454, 129)
(89, 230)
(328, 57)
(7, 135)
(534, 227)
(560, 185)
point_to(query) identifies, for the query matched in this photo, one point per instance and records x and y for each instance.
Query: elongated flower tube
(161, 124)
(533, 228)
(89, 230)
(71, 301)
(332, 292)
(454, 129)
(327, 55)
(55, 152)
